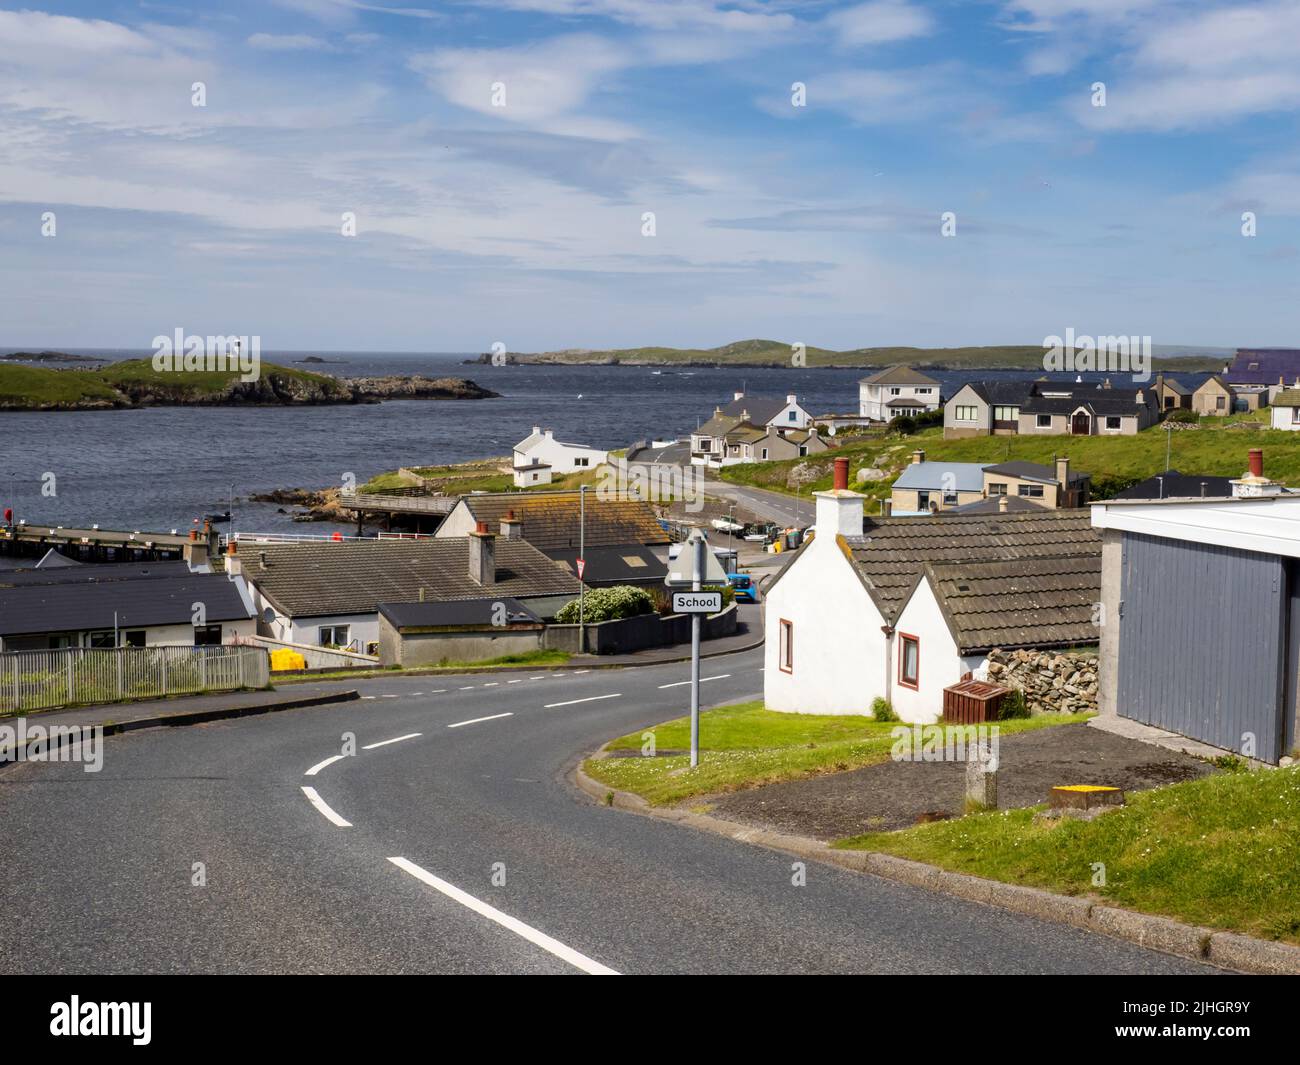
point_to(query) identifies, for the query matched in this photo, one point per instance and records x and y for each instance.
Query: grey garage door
(1202, 648)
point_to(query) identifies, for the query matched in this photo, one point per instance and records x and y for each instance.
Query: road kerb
(1227, 950)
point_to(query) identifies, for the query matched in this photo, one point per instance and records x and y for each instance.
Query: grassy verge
(744, 746)
(1221, 851)
(535, 659)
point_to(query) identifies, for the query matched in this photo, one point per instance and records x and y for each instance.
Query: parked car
(746, 590)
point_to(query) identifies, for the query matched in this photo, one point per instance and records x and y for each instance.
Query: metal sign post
(698, 547)
(695, 565)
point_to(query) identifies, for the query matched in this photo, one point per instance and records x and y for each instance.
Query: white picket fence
(39, 680)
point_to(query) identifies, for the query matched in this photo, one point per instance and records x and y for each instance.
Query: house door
(1080, 424)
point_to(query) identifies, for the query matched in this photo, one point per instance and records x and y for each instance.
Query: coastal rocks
(1062, 682)
(806, 473)
(870, 473)
(318, 505)
(374, 389)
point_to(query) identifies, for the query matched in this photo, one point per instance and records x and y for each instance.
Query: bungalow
(541, 448)
(328, 594)
(1170, 394)
(765, 411)
(985, 408)
(1215, 657)
(928, 487)
(901, 608)
(1286, 410)
(121, 605)
(726, 439)
(897, 391)
(533, 474)
(1007, 408)
(1218, 396)
(1047, 486)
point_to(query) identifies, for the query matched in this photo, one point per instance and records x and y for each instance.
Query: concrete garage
(460, 630)
(1200, 632)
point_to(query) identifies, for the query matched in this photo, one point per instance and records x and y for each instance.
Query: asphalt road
(768, 505)
(502, 867)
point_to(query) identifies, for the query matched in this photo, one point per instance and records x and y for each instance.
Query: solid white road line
(395, 739)
(476, 720)
(540, 939)
(679, 683)
(321, 765)
(591, 699)
(324, 809)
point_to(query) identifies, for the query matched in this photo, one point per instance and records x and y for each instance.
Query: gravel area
(894, 795)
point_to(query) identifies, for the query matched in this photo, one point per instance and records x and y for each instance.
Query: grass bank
(1222, 851)
(745, 746)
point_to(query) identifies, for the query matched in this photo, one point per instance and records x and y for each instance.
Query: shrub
(1183, 414)
(881, 709)
(1013, 706)
(608, 604)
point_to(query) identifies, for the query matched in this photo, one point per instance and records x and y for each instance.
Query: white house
(902, 608)
(782, 415)
(1286, 409)
(896, 391)
(540, 446)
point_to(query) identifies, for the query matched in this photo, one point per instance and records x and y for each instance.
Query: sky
(411, 176)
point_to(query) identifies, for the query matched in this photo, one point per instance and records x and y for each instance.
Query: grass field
(1222, 851)
(483, 475)
(1217, 449)
(744, 746)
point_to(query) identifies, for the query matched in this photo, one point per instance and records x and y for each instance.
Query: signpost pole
(698, 546)
(582, 564)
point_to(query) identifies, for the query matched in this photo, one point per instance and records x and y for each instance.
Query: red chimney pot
(1256, 462)
(842, 474)
(480, 527)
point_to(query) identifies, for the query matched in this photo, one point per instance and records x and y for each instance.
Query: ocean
(158, 468)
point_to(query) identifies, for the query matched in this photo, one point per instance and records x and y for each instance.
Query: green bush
(1182, 414)
(881, 709)
(608, 604)
(1013, 706)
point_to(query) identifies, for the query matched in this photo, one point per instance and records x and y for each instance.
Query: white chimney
(791, 398)
(537, 430)
(737, 395)
(839, 511)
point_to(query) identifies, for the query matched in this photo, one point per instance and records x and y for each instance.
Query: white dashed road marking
(395, 739)
(679, 683)
(476, 720)
(321, 765)
(591, 699)
(540, 939)
(324, 809)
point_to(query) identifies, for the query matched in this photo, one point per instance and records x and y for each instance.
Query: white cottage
(900, 608)
(897, 391)
(540, 448)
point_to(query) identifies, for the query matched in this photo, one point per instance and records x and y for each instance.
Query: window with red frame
(909, 661)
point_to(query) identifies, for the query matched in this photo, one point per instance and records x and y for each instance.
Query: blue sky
(522, 223)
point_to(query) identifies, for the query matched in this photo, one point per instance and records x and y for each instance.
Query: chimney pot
(841, 474)
(918, 456)
(1256, 462)
(1003, 504)
(886, 507)
(230, 547)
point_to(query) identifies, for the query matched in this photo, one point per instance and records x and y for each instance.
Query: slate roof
(28, 607)
(1015, 505)
(457, 613)
(937, 476)
(1178, 485)
(355, 576)
(551, 519)
(892, 553)
(621, 564)
(1102, 401)
(1003, 393)
(719, 425)
(1032, 471)
(1028, 602)
(1263, 366)
(93, 573)
(761, 409)
(1287, 398)
(899, 375)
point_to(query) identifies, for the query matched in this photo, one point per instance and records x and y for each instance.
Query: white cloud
(879, 22)
(662, 14)
(289, 42)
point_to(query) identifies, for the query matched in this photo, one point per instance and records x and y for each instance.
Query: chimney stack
(886, 508)
(918, 456)
(234, 564)
(482, 555)
(1003, 504)
(511, 527)
(737, 395)
(1256, 462)
(1254, 484)
(792, 398)
(841, 474)
(839, 511)
(1063, 471)
(537, 430)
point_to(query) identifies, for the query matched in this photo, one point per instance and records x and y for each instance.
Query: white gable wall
(839, 650)
(940, 662)
(561, 457)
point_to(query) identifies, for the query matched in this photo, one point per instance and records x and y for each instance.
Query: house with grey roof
(1045, 486)
(756, 429)
(897, 391)
(456, 630)
(1017, 407)
(900, 608)
(121, 605)
(1286, 410)
(328, 593)
(926, 487)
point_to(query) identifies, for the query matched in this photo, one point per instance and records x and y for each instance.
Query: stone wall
(1053, 681)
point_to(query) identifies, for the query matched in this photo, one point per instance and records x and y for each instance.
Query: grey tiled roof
(551, 519)
(355, 576)
(898, 375)
(454, 613)
(892, 552)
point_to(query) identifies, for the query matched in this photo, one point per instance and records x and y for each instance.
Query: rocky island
(135, 383)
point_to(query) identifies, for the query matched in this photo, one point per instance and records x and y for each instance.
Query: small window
(1220, 402)
(1112, 421)
(582, 462)
(633, 561)
(101, 639)
(923, 499)
(1031, 491)
(895, 391)
(1006, 414)
(785, 649)
(950, 499)
(333, 635)
(997, 488)
(134, 638)
(1044, 421)
(207, 635)
(793, 416)
(764, 452)
(909, 661)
